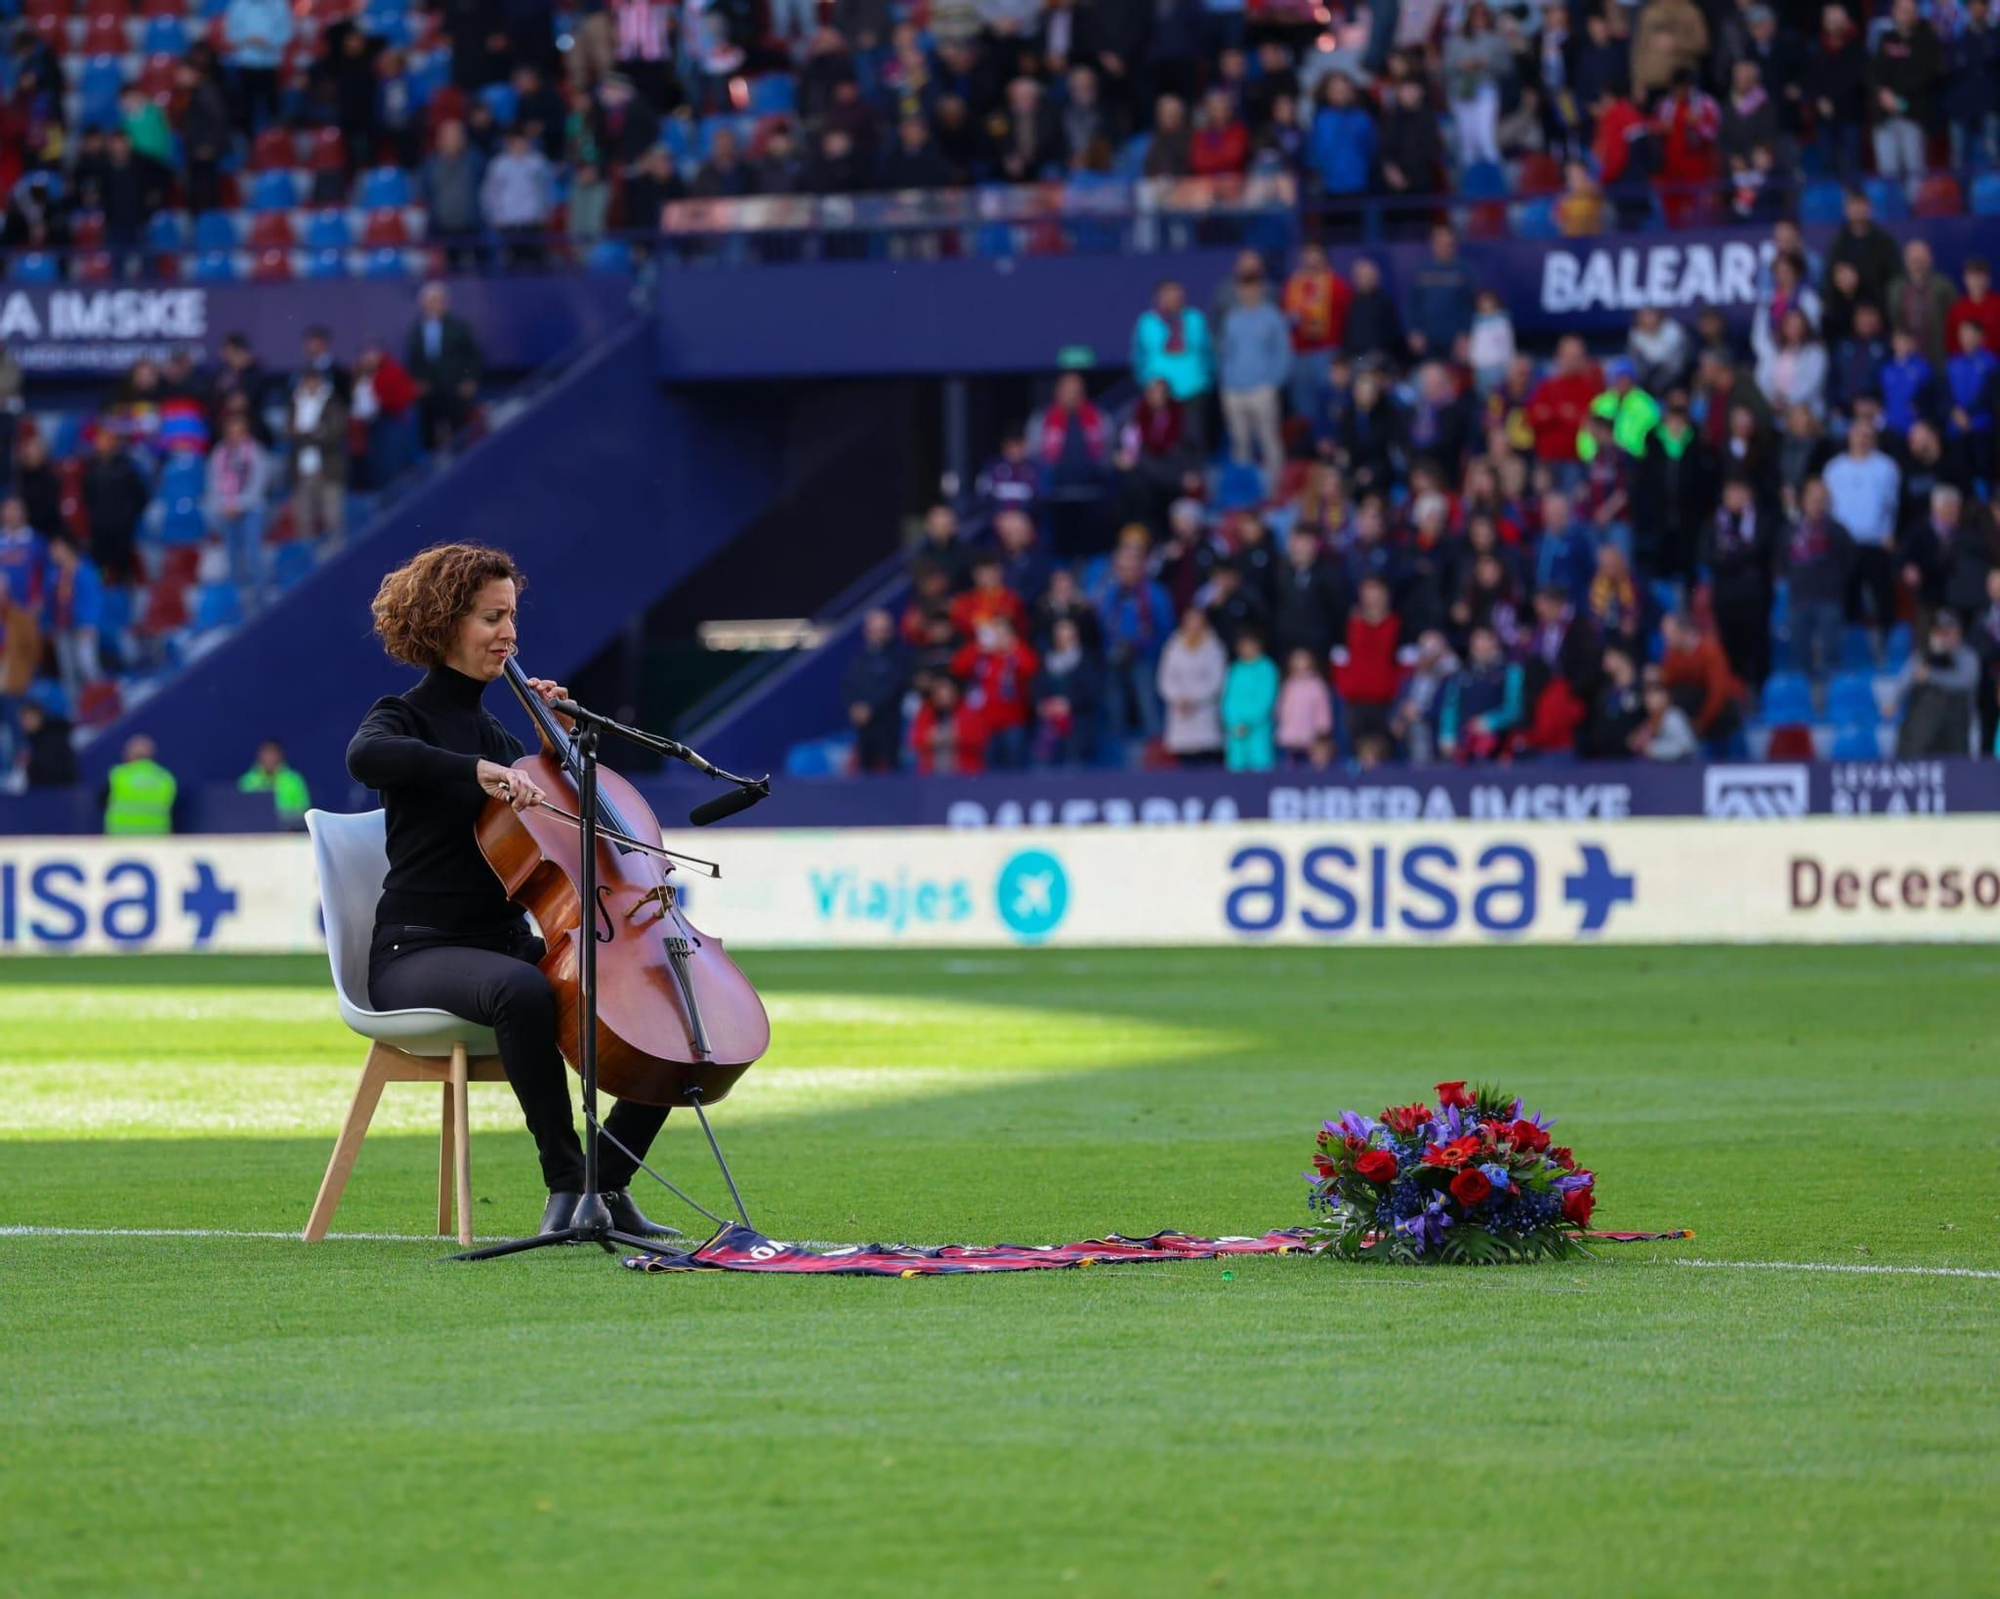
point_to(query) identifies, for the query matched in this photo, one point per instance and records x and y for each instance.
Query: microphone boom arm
(655, 742)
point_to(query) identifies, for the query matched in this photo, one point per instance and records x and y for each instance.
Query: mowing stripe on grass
(22, 1231)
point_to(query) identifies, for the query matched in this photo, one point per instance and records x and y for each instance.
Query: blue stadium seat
(1483, 180)
(385, 263)
(1131, 163)
(1888, 198)
(216, 605)
(609, 258)
(387, 23)
(291, 563)
(774, 94)
(35, 267)
(1536, 219)
(181, 521)
(166, 232)
(215, 230)
(821, 757)
(164, 36)
(1855, 653)
(182, 477)
(428, 74)
(1896, 647)
(1787, 698)
(678, 135)
(272, 191)
(384, 188)
(114, 612)
(1238, 485)
(214, 266)
(994, 241)
(1855, 743)
(1850, 700)
(324, 264)
(327, 230)
(1823, 203)
(502, 101)
(98, 87)
(1986, 195)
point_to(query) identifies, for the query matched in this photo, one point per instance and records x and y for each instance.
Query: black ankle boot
(556, 1214)
(627, 1218)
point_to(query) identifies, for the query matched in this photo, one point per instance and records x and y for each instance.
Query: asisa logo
(58, 903)
(893, 904)
(1426, 887)
(1032, 894)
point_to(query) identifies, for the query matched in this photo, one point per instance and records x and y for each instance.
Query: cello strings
(710, 868)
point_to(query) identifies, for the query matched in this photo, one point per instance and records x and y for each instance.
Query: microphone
(729, 804)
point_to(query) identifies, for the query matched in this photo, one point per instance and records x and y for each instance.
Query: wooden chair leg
(461, 1124)
(446, 1143)
(374, 1073)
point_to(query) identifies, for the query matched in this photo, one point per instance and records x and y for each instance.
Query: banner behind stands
(91, 328)
(1817, 880)
(1015, 313)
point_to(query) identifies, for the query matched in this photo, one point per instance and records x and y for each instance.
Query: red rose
(1450, 1094)
(1526, 1135)
(1352, 1143)
(1406, 1118)
(1378, 1166)
(1577, 1204)
(1564, 1157)
(1471, 1187)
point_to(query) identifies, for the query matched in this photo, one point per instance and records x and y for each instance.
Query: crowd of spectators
(1338, 525)
(525, 125)
(190, 485)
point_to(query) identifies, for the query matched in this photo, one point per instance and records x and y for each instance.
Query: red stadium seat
(274, 149)
(52, 28)
(100, 703)
(447, 105)
(1938, 196)
(326, 150)
(180, 564)
(385, 230)
(87, 231)
(36, 10)
(1486, 220)
(69, 479)
(156, 78)
(272, 266)
(163, 8)
(1540, 174)
(105, 35)
(106, 8)
(166, 608)
(1792, 742)
(93, 266)
(271, 230)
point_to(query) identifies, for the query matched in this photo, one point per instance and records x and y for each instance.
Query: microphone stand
(590, 1223)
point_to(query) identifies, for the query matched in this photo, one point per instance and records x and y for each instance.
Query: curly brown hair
(418, 607)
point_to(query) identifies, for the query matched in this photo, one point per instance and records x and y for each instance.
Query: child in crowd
(1305, 707)
(1490, 348)
(1249, 702)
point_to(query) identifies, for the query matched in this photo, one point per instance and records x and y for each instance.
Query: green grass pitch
(223, 1416)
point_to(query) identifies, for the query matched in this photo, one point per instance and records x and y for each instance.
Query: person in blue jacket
(1343, 140)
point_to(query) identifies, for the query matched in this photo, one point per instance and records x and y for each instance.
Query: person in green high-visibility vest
(272, 776)
(1631, 411)
(139, 792)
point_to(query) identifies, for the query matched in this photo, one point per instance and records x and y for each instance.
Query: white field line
(1840, 1267)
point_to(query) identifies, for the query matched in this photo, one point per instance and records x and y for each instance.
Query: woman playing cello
(447, 937)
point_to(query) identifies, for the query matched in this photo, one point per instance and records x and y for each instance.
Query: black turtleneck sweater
(422, 751)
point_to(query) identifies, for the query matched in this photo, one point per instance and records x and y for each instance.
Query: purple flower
(1449, 1124)
(1354, 1126)
(1427, 1228)
(1332, 1129)
(1569, 1180)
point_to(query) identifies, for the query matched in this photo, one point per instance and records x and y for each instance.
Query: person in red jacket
(1562, 400)
(1978, 304)
(989, 599)
(945, 735)
(998, 669)
(1221, 144)
(1366, 671)
(1689, 124)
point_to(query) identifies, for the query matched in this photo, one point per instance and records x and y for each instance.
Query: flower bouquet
(1475, 1180)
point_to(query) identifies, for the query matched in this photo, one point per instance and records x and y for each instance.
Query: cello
(677, 1021)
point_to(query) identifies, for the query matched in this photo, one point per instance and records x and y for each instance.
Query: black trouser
(494, 981)
(1874, 575)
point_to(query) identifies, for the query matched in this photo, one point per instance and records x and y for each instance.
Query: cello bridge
(662, 895)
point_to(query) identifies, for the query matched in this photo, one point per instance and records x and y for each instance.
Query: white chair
(406, 1046)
